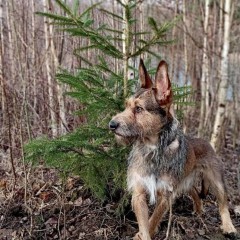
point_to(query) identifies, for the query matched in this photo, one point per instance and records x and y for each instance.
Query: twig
(204, 225)
(41, 189)
(238, 175)
(169, 219)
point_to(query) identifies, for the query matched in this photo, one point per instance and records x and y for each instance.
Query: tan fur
(140, 124)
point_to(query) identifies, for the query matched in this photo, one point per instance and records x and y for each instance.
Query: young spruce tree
(90, 151)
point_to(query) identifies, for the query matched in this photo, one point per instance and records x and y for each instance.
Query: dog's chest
(146, 169)
(153, 159)
(151, 183)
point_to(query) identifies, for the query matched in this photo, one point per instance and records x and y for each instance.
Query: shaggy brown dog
(164, 162)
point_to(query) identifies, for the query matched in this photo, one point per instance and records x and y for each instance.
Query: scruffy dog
(163, 162)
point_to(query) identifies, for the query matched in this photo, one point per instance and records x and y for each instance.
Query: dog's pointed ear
(163, 90)
(144, 77)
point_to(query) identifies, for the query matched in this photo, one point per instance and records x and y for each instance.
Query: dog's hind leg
(205, 188)
(215, 177)
(197, 201)
(140, 208)
(161, 208)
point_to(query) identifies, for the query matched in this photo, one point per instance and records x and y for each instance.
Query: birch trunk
(60, 91)
(33, 71)
(1, 62)
(10, 42)
(222, 92)
(11, 115)
(126, 48)
(205, 73)
(220, 31)
(185, 43)
(48, 73)
(173, 48)
(115, 26)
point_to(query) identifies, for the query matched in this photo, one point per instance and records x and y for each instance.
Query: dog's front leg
(161, 208)
(140, 208)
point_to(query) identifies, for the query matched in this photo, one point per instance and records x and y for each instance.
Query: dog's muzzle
(113, 125)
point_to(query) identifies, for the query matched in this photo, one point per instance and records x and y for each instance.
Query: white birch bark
(115, 25)
(185, 43)
(1, 61)
(10, 42)
(33, 71)
(59, 89)
(173, 47)
(125, 45)
(205, 72)
(222, 91)
(220, 32)
(48, 73)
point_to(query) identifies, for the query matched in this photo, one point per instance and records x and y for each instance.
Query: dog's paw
(140, 236)
(228, 228)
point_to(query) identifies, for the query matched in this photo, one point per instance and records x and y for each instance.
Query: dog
(163, 162)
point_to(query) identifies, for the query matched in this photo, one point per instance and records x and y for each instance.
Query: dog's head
(148, 110)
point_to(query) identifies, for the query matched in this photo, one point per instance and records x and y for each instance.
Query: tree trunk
(60, 87)
(126, 48)
(174, 46)
(222, 91)
(1, 63)
(33, 57)
(185, 43)
(205, 73)
(48, 72)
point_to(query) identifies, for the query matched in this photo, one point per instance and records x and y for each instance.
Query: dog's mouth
(119, 134)
(122, 131)
(124, 139)
(122, 135)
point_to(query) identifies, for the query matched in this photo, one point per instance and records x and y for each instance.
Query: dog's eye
(138, 109)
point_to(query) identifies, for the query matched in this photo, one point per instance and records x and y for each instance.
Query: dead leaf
(71, 228)
(78, 202)
(70, 183)
(100, 232)
(51, 221)
(201, 232)
(110, 208)
(81, 235)
(36, 186)
(87, 201)
(45, 196)
(3, 183)
(237, 210)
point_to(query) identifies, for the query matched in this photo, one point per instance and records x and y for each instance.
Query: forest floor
(45, 208)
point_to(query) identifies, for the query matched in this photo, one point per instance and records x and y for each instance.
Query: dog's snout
(113, 125)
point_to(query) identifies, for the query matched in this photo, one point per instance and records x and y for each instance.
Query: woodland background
(201, 46)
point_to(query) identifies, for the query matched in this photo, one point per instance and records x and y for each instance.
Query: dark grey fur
(161, 160)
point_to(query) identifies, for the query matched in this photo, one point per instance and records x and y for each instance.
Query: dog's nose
(113, 125)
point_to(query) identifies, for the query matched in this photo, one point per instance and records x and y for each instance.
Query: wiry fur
(159, 159)
(163, 161)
